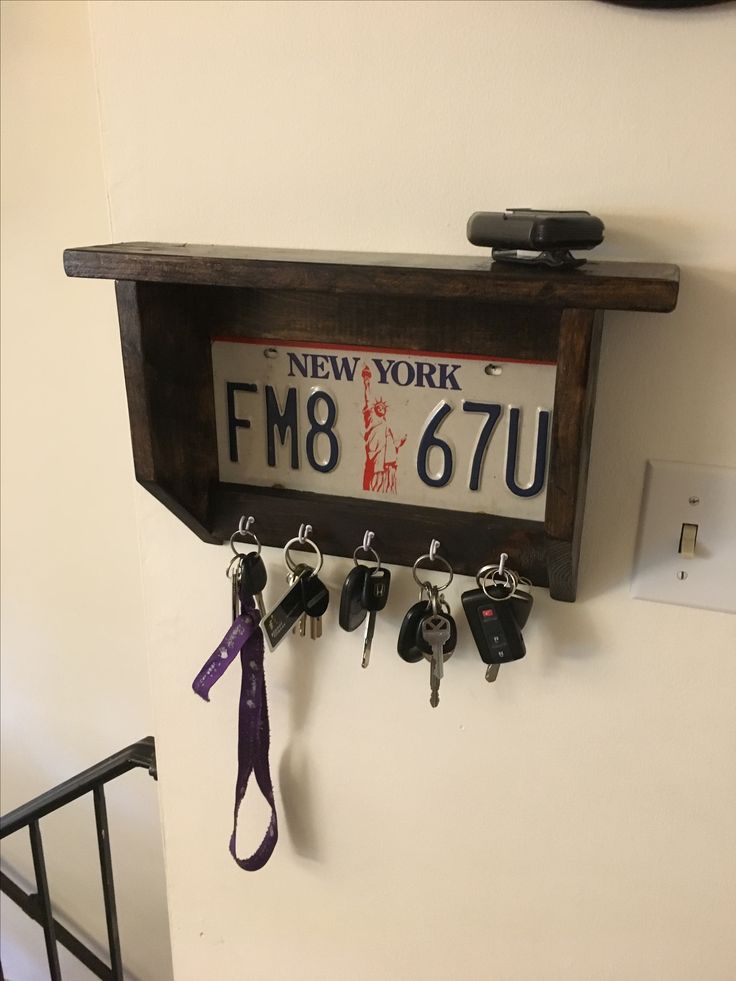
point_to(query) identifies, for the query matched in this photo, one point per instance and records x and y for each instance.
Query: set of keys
(247, 570)
(364, 594)
(306, 600)
(428, 630)
(496, 611)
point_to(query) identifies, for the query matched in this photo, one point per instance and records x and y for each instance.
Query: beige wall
(576, 820)
(75, 684)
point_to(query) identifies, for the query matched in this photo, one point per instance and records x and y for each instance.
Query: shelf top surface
(597, 285)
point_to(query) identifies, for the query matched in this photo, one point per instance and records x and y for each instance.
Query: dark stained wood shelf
(173, 300)
(596, 285)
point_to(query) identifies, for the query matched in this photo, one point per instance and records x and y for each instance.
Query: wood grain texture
(575, 383)
(173, 300)
(403, 532)
(168, 375)
(412, 323)
(596, 285)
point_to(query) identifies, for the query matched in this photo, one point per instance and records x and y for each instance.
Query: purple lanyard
(245, 636)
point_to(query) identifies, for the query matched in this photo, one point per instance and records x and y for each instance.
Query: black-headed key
(253, 579)
(287, 611)
(495, 630)
(316, 599)
(352, 611)
(375, 596)
(410, 625)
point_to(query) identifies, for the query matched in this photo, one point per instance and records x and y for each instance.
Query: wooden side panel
(577, 370)
(168, 377)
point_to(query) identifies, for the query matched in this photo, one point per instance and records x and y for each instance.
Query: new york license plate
(462, 432)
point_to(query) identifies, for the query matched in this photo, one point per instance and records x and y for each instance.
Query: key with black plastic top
(374, 598)
(495, 630)
(315, 600)
(279, 621)
(352, 610)
(253, 579)
(407, 643)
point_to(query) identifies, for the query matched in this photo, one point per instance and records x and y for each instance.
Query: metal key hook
(434, 558)
(502, 563)
(303, 538)
(244, 532)
(367, 549)
(243, 529)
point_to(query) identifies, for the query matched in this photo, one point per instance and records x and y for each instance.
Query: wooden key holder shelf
(177, 303)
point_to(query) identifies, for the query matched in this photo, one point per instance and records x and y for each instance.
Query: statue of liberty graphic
(381, 446)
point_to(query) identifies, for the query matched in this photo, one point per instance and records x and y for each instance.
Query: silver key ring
(510, 581)
(236, 560)
(303, 540)
(244, 534)
(367, 551)
(366, 548)
(442, 561)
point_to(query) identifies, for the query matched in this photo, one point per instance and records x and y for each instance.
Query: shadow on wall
(295, 783)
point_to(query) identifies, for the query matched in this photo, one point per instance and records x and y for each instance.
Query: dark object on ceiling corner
(667, 4)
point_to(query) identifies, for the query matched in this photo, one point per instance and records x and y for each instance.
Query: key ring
(490, 572)
(303, 539)
(244, 534)
(367, 549)
(432, 556)
(237, 561)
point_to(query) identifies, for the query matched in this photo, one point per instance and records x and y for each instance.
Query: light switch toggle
(688, 538)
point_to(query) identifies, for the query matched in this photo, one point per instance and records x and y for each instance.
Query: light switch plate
(681, 493)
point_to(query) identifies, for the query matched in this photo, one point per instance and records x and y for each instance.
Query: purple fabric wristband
(245, 637)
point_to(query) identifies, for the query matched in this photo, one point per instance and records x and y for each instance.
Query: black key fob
(315, 596)
(495, 630)
(521, 602)
(375, 589)
(352, 610)
(407, 643)
(253, 576)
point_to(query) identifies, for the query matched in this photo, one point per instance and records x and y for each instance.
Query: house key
(436, 631)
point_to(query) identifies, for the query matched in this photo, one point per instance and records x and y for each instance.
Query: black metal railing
(38, 904)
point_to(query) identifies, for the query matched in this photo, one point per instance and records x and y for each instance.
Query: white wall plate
(676, 494)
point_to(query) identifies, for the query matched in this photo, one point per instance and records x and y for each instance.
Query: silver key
(235, 576)
(370, 629)
(492, 672)
(436, 632)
